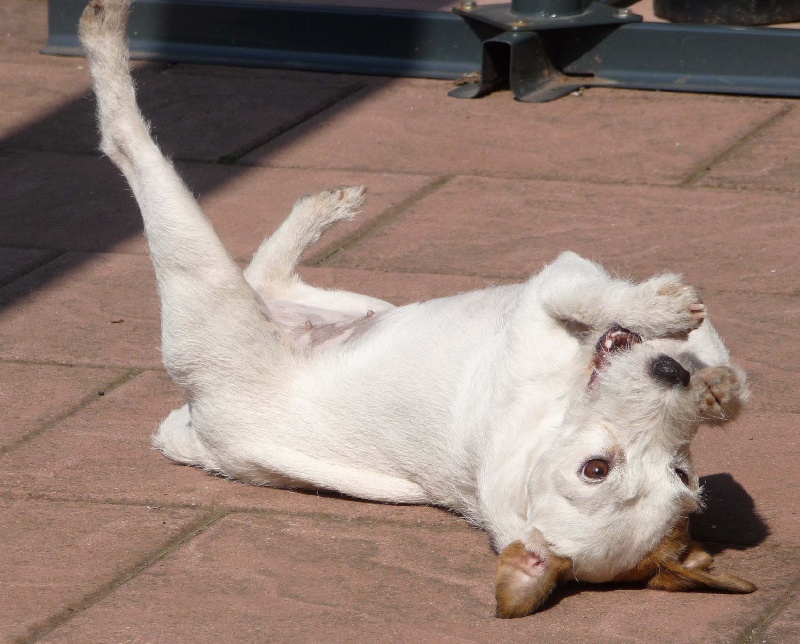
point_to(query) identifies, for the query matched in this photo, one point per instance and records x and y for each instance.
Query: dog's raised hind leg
(276, 259)
(211, 319)
(272, 274)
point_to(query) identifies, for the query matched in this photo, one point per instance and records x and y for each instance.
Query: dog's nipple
(309, 326)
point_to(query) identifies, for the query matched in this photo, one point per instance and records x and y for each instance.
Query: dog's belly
(402, 414)
(417, 397)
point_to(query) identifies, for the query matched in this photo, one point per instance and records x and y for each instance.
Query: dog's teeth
(309, 326)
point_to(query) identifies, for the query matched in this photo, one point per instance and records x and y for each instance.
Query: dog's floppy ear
(680, 564)
(675, 576)
(525, 579)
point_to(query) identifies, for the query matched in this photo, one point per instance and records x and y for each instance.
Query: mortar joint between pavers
(51, 255)
(37, 631)
(345, 93)
(755, 631)
(128, 375)
(389, 215)
(705, 167)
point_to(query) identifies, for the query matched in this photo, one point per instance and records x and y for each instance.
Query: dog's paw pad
(349, 196)
(721, 393)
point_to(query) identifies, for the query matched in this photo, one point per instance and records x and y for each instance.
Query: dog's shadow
(730, 519)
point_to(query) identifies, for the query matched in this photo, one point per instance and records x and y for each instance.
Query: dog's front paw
(669, 307)
(721, 392)
(685, 302)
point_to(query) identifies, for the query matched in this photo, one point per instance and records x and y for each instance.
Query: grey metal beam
(735, 60)
(693, 58)
(266, 34)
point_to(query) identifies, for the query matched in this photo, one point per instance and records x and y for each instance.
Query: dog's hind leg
(213, 324)
(276, 259)
(272, 275)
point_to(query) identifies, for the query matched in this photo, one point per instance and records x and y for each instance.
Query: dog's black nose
(669, 371)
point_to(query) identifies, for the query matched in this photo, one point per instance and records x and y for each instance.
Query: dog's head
(609, 499)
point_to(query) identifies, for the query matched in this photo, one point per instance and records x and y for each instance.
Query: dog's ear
(525, 579)
(681, 564)
(695, 557)
(675, 576)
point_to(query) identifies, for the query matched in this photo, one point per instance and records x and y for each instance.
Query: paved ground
(101, 539)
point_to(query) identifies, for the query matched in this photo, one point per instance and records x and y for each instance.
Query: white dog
(556, 414)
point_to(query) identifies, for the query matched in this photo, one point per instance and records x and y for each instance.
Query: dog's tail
(176, 439)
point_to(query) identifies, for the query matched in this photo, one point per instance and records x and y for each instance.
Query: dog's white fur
(478, 402)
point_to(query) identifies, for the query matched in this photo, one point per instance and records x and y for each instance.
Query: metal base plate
(503, 17)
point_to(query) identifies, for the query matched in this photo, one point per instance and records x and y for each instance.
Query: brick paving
(103, 540)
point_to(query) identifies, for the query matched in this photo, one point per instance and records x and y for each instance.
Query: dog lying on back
(556, 414)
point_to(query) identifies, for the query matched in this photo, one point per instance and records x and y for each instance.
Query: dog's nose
(669, 371)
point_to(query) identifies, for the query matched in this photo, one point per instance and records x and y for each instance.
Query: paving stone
(56, 556)
(772, 386)
(770, 161)
(603, 135)
(496, 227)
(15, 262)
(44, 107)
(83, 309)
(56, 200)
(32, 396)
(250, 577)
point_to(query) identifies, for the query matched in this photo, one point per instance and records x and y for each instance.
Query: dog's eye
(597, 469)
(683, 476)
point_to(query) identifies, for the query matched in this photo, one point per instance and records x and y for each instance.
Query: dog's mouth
(613, 340)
